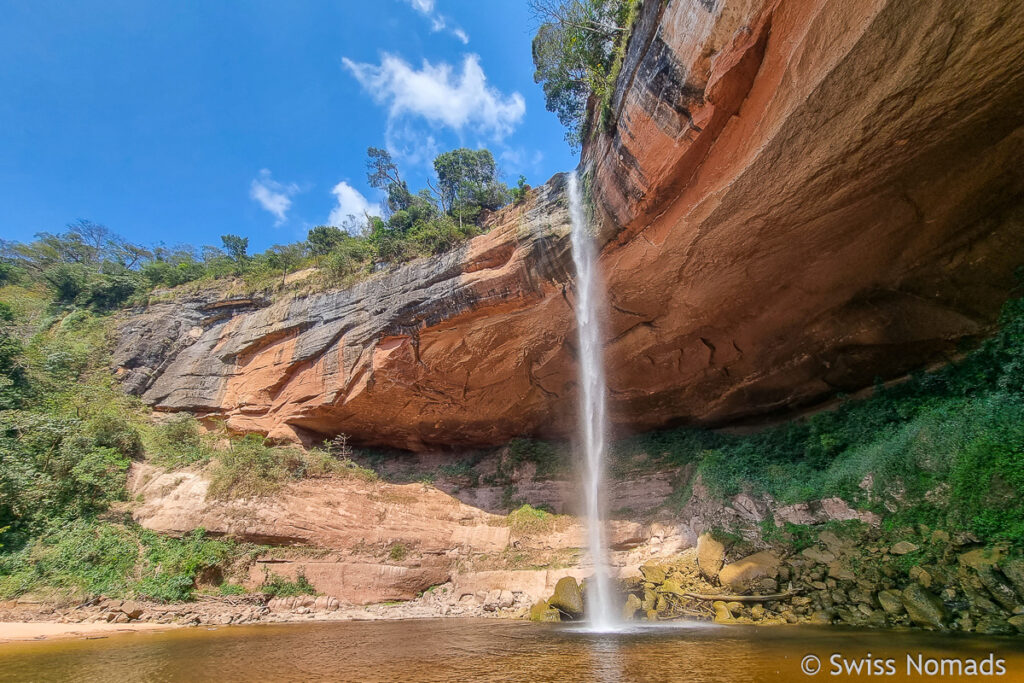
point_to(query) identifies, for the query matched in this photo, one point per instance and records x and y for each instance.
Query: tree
(323, 238)
(235, 246)
(573, 53)
(518, 193)
(467, 182)
(382, 173)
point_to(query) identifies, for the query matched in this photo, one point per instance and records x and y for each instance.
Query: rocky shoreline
(210, 610)
(934, 582)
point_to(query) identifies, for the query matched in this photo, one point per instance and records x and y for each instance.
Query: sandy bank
(11, 631)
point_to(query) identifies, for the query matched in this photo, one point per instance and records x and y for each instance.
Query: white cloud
(411, 145)
(352, 207)
(435, 92)
(273, 196)
(438, 22)
(519, 161)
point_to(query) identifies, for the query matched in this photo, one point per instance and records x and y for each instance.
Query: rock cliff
(795, 197)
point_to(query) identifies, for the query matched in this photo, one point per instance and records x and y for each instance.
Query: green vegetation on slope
(67, 438)
(944, 448)
(88, 266)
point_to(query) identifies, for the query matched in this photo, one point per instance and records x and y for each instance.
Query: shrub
(550, 460)
(177, 443)
(172, 565)
(277, 586)
(527, 519)
(248, 468)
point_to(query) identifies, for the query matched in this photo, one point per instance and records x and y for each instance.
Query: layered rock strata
(795, 198)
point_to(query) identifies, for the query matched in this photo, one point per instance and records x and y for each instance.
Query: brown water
(491, 650)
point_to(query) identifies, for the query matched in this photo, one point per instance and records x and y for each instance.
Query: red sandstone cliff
(797, 197)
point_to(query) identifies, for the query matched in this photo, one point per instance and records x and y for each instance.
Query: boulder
(902, 548)
(739, 575)
(1013, 569)
(542, 611)
(710, 556)
(567, 597)
(921, 576)
(925, 609)
(818, 555)
(838, 570)
(984, 562)
(722, 613)
(632, 606)
(654, 573)
(133, 609)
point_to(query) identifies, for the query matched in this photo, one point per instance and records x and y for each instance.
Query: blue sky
(179, 121)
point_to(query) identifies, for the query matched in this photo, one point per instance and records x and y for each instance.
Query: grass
(398, 551)
(251, 466)
(530, 520)
(177, 443)
(277, 586)
(944, 448)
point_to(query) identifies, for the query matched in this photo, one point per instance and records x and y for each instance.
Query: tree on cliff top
(575, 52)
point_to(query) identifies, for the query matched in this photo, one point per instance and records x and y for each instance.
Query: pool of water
(493, 650)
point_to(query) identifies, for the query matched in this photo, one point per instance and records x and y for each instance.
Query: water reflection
(482, 650)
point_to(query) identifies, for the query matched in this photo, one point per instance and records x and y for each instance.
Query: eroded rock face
(796, 197)
(466, 348)
(826, 191)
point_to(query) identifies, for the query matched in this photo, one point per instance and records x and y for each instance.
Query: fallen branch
(743, 598)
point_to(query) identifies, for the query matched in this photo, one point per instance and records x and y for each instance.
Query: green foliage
(235, 246)
(577, 52)
(944, 448)
(467, 183)
(170, 565)
(323, 239)
(253, 467)
(67, 436)
(527, 519)
(88, 558)
(227, 589)
(518, 193)
(177, 443)
(551, 460)
(398, 551)
(348, 257)
(87, 266)
(249, 467)
(277, 586)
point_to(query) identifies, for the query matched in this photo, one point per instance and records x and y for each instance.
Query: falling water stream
(601, 613)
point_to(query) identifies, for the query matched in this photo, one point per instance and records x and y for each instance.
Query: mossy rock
(654, 573)
(671, 587)
(568, 598)
(722, 613)
(542, 611)
(631, 607)
(925, 609)
(631, 583)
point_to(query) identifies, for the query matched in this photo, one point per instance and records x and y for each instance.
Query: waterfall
(600, 610)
